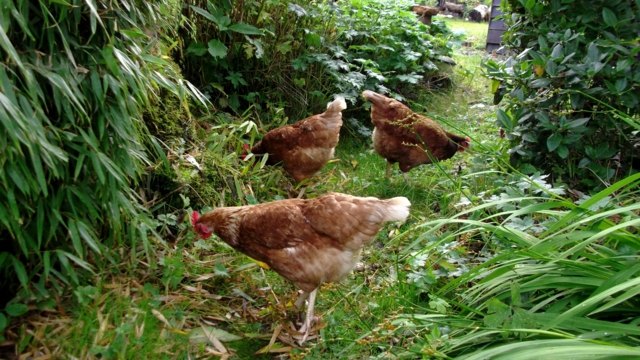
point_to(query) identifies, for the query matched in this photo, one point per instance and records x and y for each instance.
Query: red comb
(194, 218)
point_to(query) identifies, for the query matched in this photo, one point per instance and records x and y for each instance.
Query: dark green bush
(572, 88)
(272, 54)
(380, 46)
(240, 54)
(75, 78)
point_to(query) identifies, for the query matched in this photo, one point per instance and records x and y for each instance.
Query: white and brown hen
(307, 241)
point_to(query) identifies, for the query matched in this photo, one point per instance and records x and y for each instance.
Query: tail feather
(397, 209)
(336, 105)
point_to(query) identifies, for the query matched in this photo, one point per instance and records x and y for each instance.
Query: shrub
(240, 55)
(379, 46)
(75, 78)
(269, 54)
(572, 101)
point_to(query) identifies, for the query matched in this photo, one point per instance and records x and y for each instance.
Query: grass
(475, 33)
(483, 253)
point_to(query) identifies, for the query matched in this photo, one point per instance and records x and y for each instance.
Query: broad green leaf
(217, 49)
(577, 122)
(621, 84)
(246, 29)
(563, 151)
(16, 309)
(554, 141)
(539, 83)
(558, 52)
(609, 17)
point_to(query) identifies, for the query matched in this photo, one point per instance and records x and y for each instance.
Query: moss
(169, 118)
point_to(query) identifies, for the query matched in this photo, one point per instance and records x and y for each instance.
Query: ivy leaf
(499, 314)
(245, 29)
(236, 79)
(609, 17)
(217, 49)
(554, 141)
(284, 48)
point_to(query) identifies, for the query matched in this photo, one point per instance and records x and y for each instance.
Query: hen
(307, 241)
(306, 146)
(407, 138)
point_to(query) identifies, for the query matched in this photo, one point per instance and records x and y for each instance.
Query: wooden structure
(496, 28)
(425, 13)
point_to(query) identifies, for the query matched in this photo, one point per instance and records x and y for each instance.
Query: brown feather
(408, 138)
(305, 147)
(310, 241)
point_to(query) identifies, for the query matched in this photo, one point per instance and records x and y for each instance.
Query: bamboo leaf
(21, 272)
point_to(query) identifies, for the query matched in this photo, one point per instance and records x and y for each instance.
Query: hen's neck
(224, 222)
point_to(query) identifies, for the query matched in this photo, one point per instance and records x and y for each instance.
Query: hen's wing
(430, 133)
(276, 225)
(353, 221)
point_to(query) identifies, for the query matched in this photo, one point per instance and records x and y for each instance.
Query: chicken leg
(306, 327)
(387, 173)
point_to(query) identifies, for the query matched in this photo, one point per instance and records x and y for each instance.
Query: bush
(269, 54)
(240, 55)
(380, 46)
(75, 78)
(572, 101)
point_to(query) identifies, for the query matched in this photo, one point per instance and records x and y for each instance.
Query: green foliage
(240, 54)
(572, 101)
(270, 54)
(550, 268)
(380, 46)
(75, 78)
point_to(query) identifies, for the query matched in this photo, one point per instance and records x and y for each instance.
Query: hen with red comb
(307, 241)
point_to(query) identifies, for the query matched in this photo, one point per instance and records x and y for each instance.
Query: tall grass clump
(549, 274)
(75, 78)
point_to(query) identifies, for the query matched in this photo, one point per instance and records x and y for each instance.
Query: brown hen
(305, 147)
(307, 241)
(408, 138)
